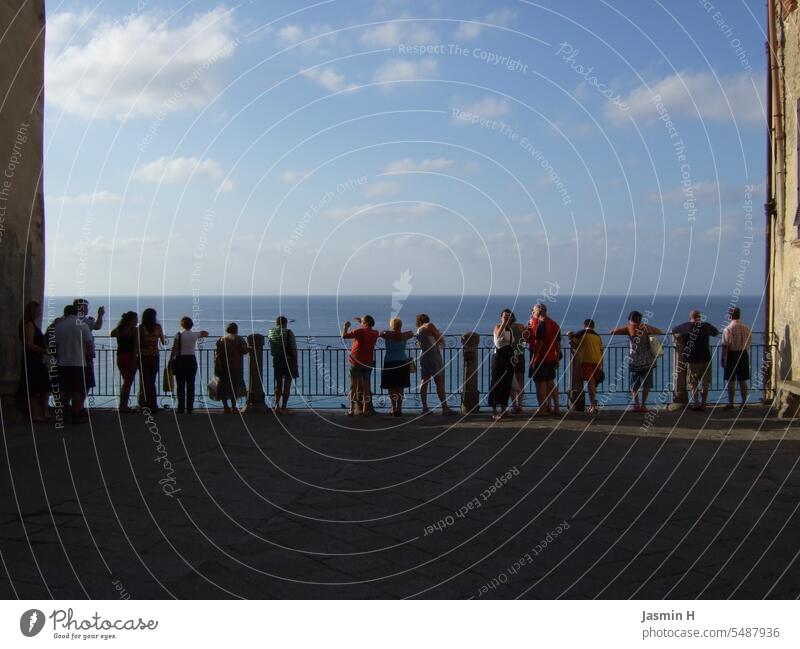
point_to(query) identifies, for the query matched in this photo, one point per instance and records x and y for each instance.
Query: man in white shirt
(94, 324)
(74, 346)
(736, 356)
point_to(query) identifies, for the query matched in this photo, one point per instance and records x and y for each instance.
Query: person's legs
(592, 387)
(423, 392)
(731, 385)
(646, 387)
(287, 389)
(180, 387)
(440, 391)
(552, 388)
(191, 376)
(743, 391)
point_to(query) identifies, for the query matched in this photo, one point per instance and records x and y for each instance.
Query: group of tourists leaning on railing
(59, 362)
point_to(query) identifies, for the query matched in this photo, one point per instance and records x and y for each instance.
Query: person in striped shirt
(736, 356)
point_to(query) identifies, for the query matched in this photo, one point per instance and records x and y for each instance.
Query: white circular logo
(31, 622)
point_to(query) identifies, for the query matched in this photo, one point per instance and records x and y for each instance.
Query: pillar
(470, 400)
(256, 401)
(680, 397)
(21, 200)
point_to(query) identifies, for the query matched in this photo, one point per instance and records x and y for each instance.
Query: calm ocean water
(323, 315)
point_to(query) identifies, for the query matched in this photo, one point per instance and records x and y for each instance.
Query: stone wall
(786, 238)
(21, 199)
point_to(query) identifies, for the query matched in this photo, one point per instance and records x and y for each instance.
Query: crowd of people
(60, 361)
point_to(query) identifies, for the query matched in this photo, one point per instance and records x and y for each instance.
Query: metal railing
(324, 372)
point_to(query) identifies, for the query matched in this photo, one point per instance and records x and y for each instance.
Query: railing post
(470, 400)
(680, 397)
(256, 401)
(577, 395)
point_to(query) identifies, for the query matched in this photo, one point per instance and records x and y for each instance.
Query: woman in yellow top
(590, 356)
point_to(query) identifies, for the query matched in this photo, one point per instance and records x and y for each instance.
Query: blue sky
(337, 147)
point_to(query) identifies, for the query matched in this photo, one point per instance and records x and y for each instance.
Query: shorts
(590, 370)
(545, 371)
(363, 372)
(281, 369)
(73, 378)
(641, 379)
(737, 366)
(699, 374)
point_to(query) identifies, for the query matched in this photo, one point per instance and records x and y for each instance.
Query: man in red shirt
(362, 361)
(545, 344)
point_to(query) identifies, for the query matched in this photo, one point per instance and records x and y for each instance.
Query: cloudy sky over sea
(459, 147)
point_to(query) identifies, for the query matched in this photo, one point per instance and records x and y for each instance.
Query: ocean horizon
(323, 315)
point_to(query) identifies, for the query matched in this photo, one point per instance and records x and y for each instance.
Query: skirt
(502, 375)
(395, 375)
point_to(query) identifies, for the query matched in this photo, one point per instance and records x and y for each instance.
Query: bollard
(577, 393)
(470, 401)
(256, 401)
(679, 395)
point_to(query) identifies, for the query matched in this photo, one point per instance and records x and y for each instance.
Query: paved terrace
(677, 505)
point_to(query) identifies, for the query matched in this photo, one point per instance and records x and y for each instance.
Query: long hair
(149, 320)
(127, 319)
(30, 312)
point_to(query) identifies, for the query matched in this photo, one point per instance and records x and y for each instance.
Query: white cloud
(142, 66)
(396, 33)
(428, 164)
(381, 188)
(183, 170)
(102, 197)
(289, 35)
(401, 70)
(695, 95)
(328, 78)
(290, 176)
(468, 31)
(488, 107)
(373, 211)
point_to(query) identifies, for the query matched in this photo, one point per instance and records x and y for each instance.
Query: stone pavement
(678, 505)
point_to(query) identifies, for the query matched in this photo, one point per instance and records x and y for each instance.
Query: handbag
(412, 366)
(599, 376)
(656, 346)
(213, 389)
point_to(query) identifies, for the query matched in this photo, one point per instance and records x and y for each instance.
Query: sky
(459, 147)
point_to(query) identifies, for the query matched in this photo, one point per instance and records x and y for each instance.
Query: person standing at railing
(184, 363)
(148, 336)
(74, 345)
(34, 382)
(125, 333)
(396, 375)
(502, 366)
(518, 362)
(94, 324)
(736, 356)
(545, 344)
(641, 358)
(431, 342)
(696, 354)
(589, 353)
(362, 362)
(229, 366)
(283, 349)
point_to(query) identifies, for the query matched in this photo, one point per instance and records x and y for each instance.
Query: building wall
(786, 236)
(21, 199)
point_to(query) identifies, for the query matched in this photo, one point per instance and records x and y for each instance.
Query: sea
(323, 315)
